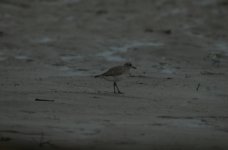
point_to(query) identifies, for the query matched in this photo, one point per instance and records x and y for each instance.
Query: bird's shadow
(107, 93)
(123, 95)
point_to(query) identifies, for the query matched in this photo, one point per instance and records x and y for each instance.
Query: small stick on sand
(44, 100)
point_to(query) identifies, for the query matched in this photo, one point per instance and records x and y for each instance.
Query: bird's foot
(120, 92)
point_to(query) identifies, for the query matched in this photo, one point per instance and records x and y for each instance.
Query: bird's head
(129, 65)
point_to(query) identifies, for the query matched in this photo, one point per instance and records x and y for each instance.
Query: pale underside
(115, 78)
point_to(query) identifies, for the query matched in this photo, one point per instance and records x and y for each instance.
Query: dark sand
(176, 99)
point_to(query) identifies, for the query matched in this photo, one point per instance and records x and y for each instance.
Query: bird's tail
(96, 76)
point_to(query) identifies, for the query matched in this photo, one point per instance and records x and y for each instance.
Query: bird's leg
(114, 86)
(117, 88)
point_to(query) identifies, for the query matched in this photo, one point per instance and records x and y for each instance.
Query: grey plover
(117, 73)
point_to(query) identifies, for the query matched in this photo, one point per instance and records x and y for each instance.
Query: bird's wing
(115, 71)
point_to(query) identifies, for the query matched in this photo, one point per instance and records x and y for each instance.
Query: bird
(116, 73)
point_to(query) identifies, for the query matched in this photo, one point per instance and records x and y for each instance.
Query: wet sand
(51, 49)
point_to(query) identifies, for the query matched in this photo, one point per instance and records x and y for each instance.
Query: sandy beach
(176, 99)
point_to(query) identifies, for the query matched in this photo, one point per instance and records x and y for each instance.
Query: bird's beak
(133, 67)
